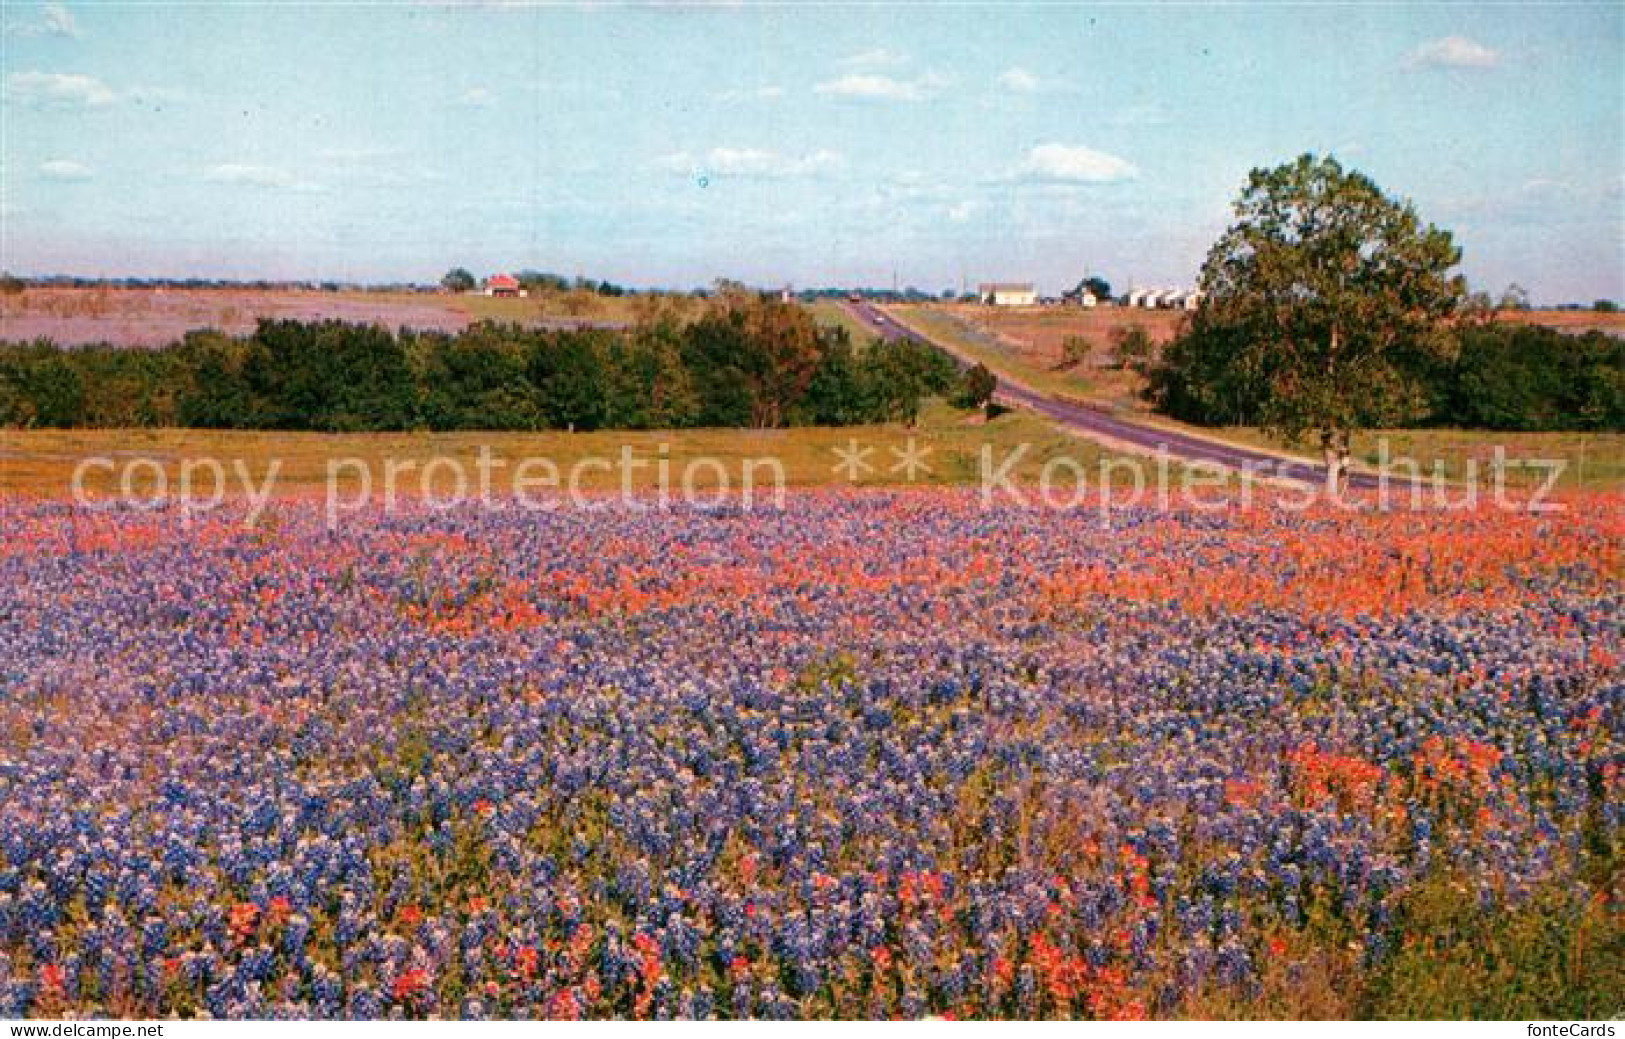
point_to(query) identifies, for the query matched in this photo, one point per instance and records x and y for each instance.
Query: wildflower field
(875, 754)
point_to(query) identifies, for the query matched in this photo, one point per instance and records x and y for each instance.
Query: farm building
(1080, 297)
(1165, 299)
(503, 285)
(1008, 294)
(1180, 299)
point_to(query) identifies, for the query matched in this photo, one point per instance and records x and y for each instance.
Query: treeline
(1499, 376)
(758, 365)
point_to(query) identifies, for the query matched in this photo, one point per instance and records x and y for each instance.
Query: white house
(1008, 294)
(1177, 299)
(1165, 299)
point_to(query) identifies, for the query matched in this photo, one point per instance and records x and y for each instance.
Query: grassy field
(1589, 460)
(1037, 338)
(955, 328)
(574, 306)
(830, 313)
(976, 332)
(42, 462)
(157, 317)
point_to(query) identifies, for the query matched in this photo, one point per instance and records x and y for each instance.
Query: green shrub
(1559, 956)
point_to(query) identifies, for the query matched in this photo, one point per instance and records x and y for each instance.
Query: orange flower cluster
(1320, 776)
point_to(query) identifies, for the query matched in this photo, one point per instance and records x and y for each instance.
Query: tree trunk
(1334, 447)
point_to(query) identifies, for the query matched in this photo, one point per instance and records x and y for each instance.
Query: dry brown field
(156, 317)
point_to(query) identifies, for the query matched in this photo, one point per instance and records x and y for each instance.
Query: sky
(829, 145)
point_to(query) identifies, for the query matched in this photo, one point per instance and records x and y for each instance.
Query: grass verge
(42, 462)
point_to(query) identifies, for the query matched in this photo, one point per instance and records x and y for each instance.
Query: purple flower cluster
(871, 755)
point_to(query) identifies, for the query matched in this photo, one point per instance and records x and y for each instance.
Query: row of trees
(1497, 376)
(1331, 307)
(754, 364)
(461, 279)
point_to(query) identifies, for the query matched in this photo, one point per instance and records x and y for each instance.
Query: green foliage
(1561, 956)
(717, 349)
(768, 364)
(474, 381)
(330, 376)
(748, 363)
(569, 374)
(1331, 308)
(1074, 351)
(897, 374)
(836, 671)
(458, 279)
(542, 281)
(1317, 296)
(213, 393)
(836, 394)
(1520, 377)
(1132, 347)
(977, 387)
(127, 388)
(1197, 380)
(39, 386)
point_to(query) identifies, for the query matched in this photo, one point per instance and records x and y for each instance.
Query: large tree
(1322, 298)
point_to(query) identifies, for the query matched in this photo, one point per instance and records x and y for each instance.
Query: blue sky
(828, 145)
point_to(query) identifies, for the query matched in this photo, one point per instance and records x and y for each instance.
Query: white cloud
(754, 162)
(1074, 164)
(880, 56)
(1455, 52)
(478, 97)
(59, 21)
(249, 175)
(58, 89)
(55, 20)
(1020, 81)
(873, 87)
(64, 170)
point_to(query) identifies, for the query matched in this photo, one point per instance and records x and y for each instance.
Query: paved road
(1101, 424)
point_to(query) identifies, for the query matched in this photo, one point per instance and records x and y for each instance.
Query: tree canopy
(1319, 299)
(746, 362)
